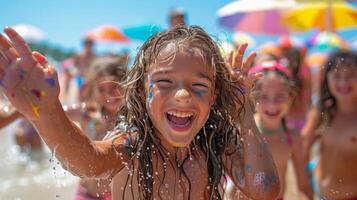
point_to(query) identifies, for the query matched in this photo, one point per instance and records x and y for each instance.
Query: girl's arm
(305, 191)
(251, 166)
(6, 120)
(76, 151)
(31, 85)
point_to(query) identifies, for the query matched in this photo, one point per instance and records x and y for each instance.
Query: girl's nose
(183, 96)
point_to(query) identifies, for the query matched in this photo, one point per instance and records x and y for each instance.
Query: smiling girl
(335, 174)
(183, 125)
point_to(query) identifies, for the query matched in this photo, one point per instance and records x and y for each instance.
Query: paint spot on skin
(39, 94)
(22, 74)
(200, 94)
(353, 139)
(35, 109)
(262, 181)
(150, 95)
(239, 176)
(248, 168)
(51, 82)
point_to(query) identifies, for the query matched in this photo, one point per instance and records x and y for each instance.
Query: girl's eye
(163, 83)
(200, 86)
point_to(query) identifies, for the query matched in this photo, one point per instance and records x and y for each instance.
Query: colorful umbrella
(30, 33)
(142, 32)
(107, 33)
(255, 16)
(327, 41)
(324, 16)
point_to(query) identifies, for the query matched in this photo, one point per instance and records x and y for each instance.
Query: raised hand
(26, 78)
(240, 67)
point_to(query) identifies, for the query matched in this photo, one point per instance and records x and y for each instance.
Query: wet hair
(328, 104)
(115, 66)
(219, 131)
(294, 62)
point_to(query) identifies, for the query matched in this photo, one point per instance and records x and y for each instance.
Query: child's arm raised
(31, 85)
(251, 165)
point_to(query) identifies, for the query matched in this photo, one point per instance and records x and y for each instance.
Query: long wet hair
(328, 103)
(219, 131)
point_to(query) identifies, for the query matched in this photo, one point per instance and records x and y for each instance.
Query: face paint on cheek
(200, 94)
(150, 94)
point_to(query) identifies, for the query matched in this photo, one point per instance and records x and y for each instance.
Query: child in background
(27, 138)
(335, 174)
(293, 58)
(273, 94)
(103, 89)
(7, 113)
(185, 128)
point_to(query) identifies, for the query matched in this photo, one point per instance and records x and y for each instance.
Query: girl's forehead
(272, 82)
(185, 59)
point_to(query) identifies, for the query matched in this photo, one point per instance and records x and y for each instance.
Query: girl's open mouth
(344, 90)
(272, 114)
(180, 121)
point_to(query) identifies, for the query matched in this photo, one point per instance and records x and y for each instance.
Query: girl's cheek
(200, 94)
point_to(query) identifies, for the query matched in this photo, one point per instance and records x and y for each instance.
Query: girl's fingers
(18, 42)
(256, 76)
(238, 56)
(7, 49)
(249, 61)
(3, 62)
(40, 58)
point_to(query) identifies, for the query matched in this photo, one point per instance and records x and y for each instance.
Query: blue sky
(66, 21)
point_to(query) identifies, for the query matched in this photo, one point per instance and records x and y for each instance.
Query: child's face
(342, 83)
(180, 93)
(109, 93)
(273, 99)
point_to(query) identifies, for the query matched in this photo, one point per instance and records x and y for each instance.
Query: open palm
(241, 67)
(26, 78)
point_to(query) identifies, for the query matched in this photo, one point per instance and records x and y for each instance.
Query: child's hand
(241, 68)
(30, 84)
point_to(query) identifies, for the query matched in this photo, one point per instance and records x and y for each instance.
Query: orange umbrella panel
(107, 33)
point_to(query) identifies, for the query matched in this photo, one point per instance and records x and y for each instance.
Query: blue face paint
(150, 95)
(200, 94)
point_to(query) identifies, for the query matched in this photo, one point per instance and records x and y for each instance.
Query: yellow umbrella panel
(321, 16)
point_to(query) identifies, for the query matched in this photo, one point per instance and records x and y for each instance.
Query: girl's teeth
(180, 114)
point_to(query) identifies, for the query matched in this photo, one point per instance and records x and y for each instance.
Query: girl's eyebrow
(161, 71)
(204, 76)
